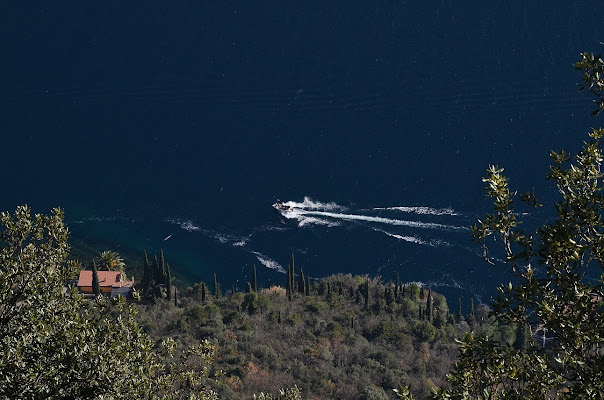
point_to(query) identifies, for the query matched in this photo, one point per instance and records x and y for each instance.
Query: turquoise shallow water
(191, 119)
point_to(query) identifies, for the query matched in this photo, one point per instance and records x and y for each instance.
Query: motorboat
(279, 206)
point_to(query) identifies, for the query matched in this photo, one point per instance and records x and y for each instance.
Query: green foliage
(96, 287)
(557, 282)
(216, 288)
(168, 282)
(255, 281)
(53, 344)
(414, 291)
(111, 261)
(284, 394)
(593, 78)
(424, 330)
(250, 302)
(327, 345)
(315, 306)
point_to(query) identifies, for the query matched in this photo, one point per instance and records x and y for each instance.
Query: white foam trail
(410, 239)
(306, 220)
(309, 204)
(268, 263)
(381, 220)
(188, 225)
(416, 240)
(420, 210)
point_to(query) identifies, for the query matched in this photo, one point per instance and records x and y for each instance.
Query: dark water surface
(190, 119)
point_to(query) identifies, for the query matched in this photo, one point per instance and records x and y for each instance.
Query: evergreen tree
(471, 318)
(96, 287)
(396, 287)
(459, 315)
(366, 293)
(421, 293)
(307, 285)
(147, 273)
(175, 301)
(248, 288)
(203, 292)
(168, 283)
(359, 295)
(255, 282)
(302, 283)
(157, 276)
(388, 295)
(232, 290)
(524, 340)
(429, 306)
(293, 275)
(162, 263)
(215, 289)
(288, 288)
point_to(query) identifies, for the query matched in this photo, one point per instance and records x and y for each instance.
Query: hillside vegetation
(342, 337)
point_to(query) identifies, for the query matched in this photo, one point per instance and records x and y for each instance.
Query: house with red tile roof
(111, 283)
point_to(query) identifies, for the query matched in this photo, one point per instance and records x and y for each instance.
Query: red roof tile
(106, 278)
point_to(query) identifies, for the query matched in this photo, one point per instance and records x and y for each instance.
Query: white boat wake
(313, 212)
(420, 210)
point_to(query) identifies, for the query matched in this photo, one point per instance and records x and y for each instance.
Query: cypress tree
(147, 273)
(203, 292)
(459, 314)
(389, 295)
(523, 337)
(232, 290)
(293, 274)
(288, 288)
(366, 293)
(471, 318)
(421, 315)
(215, 291)
(302, 283)
(396, 286)
(248, 288)
(358, 295)
(169, 282)
(421, 293)
(429, 306)
(162, 262)
(307, 285)
(96, 287)
(175, 301)
(402, 290)
(156, 272)
(255, 280)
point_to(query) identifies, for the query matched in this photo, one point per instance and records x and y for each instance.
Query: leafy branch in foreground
(557, 287)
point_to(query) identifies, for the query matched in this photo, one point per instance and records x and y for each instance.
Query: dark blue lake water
(176, 125)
